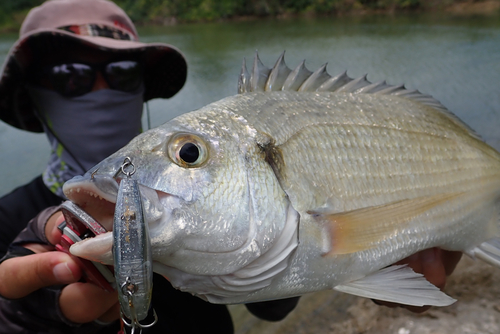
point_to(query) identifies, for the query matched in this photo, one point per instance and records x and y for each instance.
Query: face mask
(91, 127)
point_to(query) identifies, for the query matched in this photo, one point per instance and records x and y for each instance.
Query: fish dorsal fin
(282, 78)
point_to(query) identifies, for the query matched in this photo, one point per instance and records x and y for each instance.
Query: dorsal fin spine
(354, 85)
(392, 89)
(297, 77)
(374, 87)
(315, 80)
(278, 75)
(334, 83)
(244, 81)
(259, 75)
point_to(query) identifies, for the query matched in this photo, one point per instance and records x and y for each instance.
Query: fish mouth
(91, 198)
(97, 197)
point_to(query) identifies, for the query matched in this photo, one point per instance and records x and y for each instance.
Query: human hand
(78, 302)
(435, 264)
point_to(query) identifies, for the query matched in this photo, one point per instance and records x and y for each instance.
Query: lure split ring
(127, 167)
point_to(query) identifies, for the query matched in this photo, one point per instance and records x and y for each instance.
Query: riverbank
(164, 13)
(470, 7)
(474, 284)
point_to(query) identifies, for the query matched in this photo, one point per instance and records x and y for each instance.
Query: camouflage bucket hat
(97, 24)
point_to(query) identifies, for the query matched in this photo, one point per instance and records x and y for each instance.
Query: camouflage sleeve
(19, 206)
(33, 233)
(39, 312)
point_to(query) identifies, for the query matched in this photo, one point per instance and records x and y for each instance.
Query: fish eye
(189, 153)
(187, 150)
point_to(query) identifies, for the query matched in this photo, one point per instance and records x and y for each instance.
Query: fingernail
(63, 273)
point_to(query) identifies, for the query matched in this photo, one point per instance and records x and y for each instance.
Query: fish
(304, 182)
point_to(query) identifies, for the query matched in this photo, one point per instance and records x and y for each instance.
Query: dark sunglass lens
(72, 79)
(124, 75)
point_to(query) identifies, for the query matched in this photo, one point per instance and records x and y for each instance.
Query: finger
(433, 267)
(112, 314)
(85, 302)
(39, 248)
(52, 233)
(450, 260)
(22, 275)
(414, 262)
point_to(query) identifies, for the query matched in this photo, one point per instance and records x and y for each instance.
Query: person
(80, 74)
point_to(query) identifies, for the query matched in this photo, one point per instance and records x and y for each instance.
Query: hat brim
(165, 70)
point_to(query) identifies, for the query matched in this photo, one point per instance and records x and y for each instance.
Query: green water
(454, 59)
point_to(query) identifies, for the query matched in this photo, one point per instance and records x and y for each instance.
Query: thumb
(22, 275)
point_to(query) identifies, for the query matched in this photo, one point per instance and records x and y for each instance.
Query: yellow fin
(363, 229)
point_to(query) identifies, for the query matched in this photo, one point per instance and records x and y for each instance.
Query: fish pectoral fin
(397, 284)
(366, 228)
(488, 251)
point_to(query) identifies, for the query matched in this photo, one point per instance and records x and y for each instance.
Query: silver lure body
(132, 253)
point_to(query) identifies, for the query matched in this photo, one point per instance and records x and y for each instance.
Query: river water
(454, 59)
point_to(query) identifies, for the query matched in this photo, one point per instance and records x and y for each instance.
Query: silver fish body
(320, 185)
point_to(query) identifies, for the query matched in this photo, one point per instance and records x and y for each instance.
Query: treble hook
(135, 324)
(128, 288)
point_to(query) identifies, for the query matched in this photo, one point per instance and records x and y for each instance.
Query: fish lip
(104, 186)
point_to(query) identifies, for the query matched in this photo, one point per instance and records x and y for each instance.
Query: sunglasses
(76, 79)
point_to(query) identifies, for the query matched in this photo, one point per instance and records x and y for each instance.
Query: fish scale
(355, 164)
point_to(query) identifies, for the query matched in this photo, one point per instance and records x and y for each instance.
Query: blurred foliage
(208, 10)
(12, 12)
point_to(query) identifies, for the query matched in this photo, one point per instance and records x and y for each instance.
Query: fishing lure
(79, 225)
(132, 252)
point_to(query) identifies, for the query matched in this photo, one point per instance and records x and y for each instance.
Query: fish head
(207, 191)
